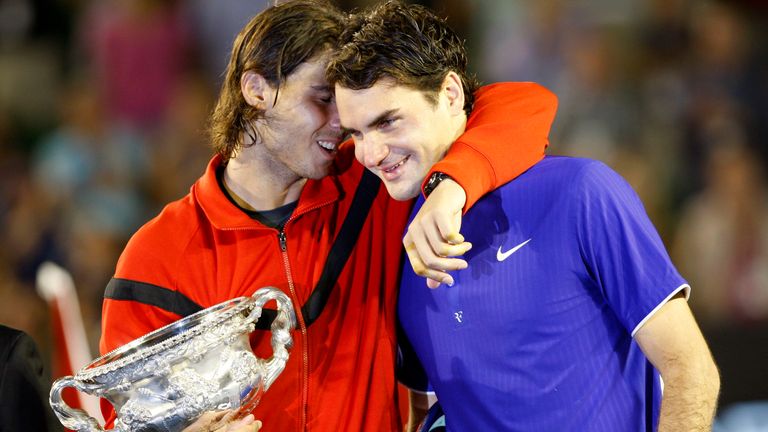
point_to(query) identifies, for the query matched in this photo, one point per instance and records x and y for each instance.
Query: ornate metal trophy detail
(166, 380)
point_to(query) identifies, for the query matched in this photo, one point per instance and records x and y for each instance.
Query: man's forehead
(379, 91)
(313, 69)
(360, 109)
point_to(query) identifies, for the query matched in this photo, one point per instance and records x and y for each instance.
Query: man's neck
(254, 187)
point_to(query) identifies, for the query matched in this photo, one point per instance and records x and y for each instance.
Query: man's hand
(433, 236)
(207, 420)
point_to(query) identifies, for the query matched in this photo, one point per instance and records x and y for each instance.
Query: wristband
(433, 181)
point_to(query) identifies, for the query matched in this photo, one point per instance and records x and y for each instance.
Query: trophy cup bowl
(167, 379)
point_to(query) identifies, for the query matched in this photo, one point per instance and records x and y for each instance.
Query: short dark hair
(273, 44)
(407, 43)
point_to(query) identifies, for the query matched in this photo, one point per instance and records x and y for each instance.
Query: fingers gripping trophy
(171, 377)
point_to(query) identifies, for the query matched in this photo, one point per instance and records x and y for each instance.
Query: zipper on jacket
(281, 238)
(302, 327)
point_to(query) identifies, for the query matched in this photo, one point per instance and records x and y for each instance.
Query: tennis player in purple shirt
(570, 313)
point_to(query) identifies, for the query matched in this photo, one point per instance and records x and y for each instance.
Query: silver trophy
(166, 380)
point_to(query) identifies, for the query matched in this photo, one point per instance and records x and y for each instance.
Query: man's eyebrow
(374, 122)
(382, 116)
(322, 87)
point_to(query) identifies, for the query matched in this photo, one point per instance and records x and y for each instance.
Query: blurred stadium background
(103, 106)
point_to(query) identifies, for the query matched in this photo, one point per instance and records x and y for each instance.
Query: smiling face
(300, 133)
(399, 134)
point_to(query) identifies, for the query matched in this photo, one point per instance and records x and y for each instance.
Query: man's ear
(453, 89)
(256, 90)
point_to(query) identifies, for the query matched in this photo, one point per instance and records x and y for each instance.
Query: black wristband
(433, 181)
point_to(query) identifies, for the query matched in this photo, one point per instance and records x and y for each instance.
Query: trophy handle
(71, 418)
(284, 322)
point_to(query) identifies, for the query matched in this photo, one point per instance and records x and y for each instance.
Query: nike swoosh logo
(501, 256)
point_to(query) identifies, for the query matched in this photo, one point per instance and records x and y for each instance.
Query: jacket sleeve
(134, 300)
(507, 133)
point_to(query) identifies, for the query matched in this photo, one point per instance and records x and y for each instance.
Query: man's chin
(320, 172)
(401, 192)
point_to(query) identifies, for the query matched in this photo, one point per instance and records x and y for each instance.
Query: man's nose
(373, 151)
(333, 121)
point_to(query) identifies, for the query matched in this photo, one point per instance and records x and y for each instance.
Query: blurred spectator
(23, 309)
(722, 244)
(720, 83)
(180, 146)
(659, 68)
(458, 13)
(216, 23)
(86, 196)
(518, 41)
(86, 153)
(31, 46)
(138, 48)
(594, 118)
(29, 230)
(12, 165)
(636, 166)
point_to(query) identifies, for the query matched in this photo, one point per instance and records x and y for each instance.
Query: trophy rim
(180, 331)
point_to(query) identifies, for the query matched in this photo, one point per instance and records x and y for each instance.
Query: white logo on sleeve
(501, 256)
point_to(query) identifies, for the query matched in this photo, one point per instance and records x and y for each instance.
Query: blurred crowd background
(103, 105)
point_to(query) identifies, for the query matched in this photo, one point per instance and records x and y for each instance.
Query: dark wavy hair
(407, 43)
(273, 44)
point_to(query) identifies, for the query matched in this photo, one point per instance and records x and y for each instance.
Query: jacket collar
(227, 216)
